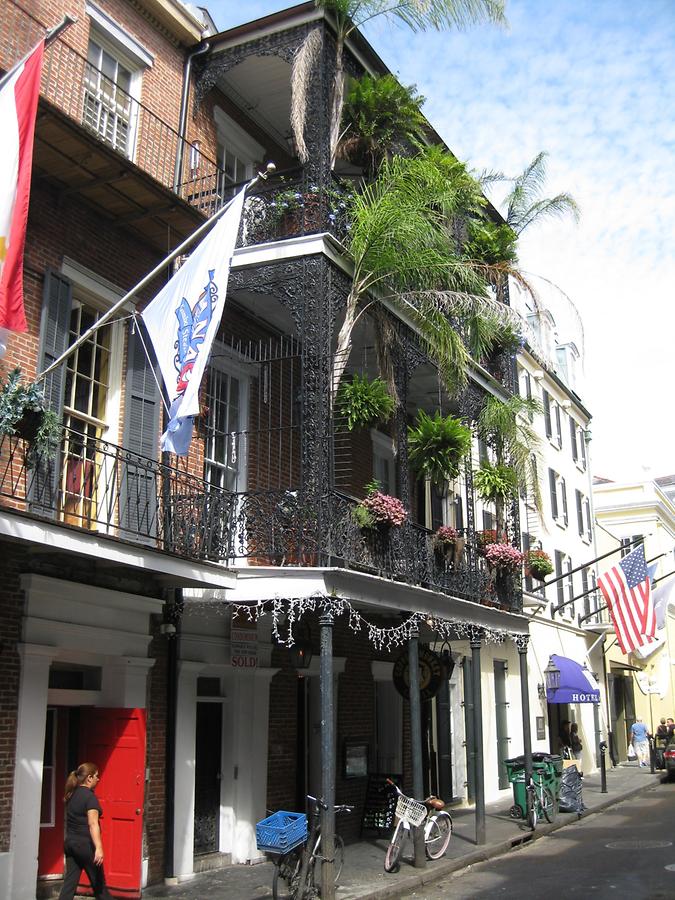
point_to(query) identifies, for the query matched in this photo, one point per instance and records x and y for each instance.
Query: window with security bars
(224, 455)
(108, 105)
(84, 415)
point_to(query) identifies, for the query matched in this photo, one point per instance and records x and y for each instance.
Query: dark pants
(80, 855)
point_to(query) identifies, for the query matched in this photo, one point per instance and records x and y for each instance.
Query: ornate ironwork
(98, 485)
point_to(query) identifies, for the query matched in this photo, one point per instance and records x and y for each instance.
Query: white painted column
(30, 744)
(184, 781)
(250, 710)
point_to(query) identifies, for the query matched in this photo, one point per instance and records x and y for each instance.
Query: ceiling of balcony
(75, 163)
(261, 87)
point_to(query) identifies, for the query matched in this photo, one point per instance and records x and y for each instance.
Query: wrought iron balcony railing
(279, 528)
(99, 487)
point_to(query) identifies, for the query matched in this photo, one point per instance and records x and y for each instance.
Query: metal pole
(327, 757)
(206, 226)
(585, 565)
(416, 741)
(478, 738)
(603, 767)
(522, 642)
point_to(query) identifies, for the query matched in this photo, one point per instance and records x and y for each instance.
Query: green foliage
(525, 205)
(17, 398)
(364, 402)
(491, 243)
(380, 115)
(418, 16)
(495, 483)
(436, 446)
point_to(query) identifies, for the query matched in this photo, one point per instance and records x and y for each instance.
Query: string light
(286, 612)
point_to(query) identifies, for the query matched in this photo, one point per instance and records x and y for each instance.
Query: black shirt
(77, 823)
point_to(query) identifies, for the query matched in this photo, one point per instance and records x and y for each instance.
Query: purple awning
(577, 684)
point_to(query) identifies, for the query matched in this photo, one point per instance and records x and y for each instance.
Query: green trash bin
(547, 766)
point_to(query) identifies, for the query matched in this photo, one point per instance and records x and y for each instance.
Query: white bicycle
(410, 814)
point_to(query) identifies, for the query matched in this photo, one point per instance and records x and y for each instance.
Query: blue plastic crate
(281, 831)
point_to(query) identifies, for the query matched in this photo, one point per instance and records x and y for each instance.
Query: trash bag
(571, 799)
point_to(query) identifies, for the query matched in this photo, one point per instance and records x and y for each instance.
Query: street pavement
(626, 851)
(363, 877)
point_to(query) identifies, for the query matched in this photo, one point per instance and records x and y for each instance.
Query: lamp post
(301, 651)
(444, 725)
(552, 676)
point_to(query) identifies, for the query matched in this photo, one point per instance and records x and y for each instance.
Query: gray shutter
(580, 512)
(589, 524)
(558, 426)
(57, 302)
(554, 493)
(560, 587)
(139, 497)
(573, 439)
(547, 413)
(563, 494)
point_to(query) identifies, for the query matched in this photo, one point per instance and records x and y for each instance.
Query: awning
(575, 683)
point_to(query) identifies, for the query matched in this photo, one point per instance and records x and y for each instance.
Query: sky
(592, 84)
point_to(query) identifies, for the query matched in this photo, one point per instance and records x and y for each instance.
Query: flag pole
(206, 226)
(50, 36)
(585, 565)
(601, 608)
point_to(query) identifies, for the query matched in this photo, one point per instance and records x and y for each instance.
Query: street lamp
(552, 676)
(447, 660)
(301, 651)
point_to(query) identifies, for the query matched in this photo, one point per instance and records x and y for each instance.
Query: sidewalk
(363, 875)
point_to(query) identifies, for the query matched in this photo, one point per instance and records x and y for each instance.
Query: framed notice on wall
(355, 759)
(541, 728)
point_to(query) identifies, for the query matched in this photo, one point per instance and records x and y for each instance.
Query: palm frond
(556, 207)
(304, 64)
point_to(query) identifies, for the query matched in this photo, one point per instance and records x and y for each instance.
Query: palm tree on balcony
(404, 249)
(349, 15)
(525, 204)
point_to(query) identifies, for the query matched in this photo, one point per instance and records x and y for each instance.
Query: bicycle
(540, 800)
(296, 874)
(411, 814)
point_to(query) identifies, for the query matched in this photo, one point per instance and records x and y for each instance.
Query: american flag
(627, 589)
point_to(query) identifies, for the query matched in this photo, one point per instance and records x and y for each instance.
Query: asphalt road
(624, 852)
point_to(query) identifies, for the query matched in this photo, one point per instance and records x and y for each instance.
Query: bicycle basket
(281, 831)
(411, 810)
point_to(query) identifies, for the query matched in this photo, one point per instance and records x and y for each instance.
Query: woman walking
(83, 844)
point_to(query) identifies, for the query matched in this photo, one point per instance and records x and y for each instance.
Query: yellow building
(640, 684)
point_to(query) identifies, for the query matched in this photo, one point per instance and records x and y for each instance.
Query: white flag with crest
(183, 320)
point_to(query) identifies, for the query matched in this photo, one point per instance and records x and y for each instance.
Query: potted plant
(436, 446)
(503, 557)
(538, 564)
(23, 413)
(378, 510)
(448, 544)
(364, 402)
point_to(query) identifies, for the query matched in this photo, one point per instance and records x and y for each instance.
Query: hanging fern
(436, 446)
(364, 402)
(496, 483)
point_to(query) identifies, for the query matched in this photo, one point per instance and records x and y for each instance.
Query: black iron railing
(97, 486)
(280, 528)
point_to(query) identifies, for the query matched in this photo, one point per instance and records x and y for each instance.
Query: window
(627, 547)
(527, 544)
(237, 153)
(108, 106)
(558, 426)
(589, 520)
(489, 522)
(558, 497)
(564, 585)
(560, 587)
(582, 444)
(483, 454)
(224, 443)
(384, 470)
(580, 511)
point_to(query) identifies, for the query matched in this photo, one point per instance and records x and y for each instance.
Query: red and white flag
(627, 589)
(18, 106)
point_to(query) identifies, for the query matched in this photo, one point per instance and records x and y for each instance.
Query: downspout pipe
(203, 48)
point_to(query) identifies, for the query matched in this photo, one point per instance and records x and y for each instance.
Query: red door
(50, 854)
(114, 739)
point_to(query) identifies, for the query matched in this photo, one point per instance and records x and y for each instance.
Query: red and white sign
(18, 106)
(243, 648)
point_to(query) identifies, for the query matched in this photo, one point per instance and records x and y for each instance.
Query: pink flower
(503, 556)
(446, 534)
(384, 510)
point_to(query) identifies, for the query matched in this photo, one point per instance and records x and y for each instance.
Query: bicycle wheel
(314, 875)
(437, 834)
(531, 808)
(393, 854)
(286, 873)
(548, 804)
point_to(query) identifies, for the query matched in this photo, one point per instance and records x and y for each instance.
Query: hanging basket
(28, 425)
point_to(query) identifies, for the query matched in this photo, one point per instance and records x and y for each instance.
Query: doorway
(208, 755)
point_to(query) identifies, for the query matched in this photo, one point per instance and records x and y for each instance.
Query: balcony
(278, 528)
(96, 141)
(100, 488)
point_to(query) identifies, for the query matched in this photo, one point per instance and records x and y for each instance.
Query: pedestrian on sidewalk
(564, 740)
(575, 741)
(83, 845)
(640, 741)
